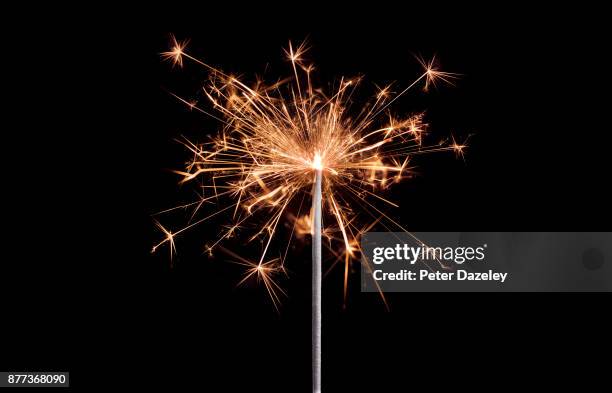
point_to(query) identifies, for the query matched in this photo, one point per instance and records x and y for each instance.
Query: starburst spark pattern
(275, 137)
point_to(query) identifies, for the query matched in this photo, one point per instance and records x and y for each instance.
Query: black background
(84, 294)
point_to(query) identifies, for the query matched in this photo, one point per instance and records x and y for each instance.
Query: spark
(263, 272)
(458, 148)
(169, 238)
(175, 54)
(433, 73)
(273, 141)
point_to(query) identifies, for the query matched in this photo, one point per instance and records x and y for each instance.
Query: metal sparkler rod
(316, 286)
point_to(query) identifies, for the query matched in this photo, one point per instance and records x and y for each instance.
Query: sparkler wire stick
(316, 285)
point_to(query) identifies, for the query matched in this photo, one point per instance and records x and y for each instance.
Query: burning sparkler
(281, 141)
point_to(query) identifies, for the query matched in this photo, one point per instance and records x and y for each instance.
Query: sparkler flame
(317, 162)
(276, 137)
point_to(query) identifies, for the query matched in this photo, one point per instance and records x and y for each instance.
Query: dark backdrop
(106, 309)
